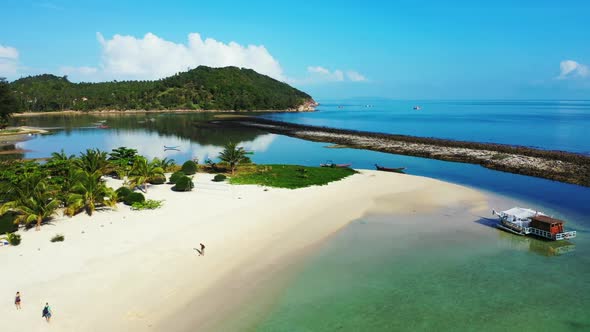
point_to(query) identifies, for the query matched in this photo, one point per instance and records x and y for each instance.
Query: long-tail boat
(389, 169)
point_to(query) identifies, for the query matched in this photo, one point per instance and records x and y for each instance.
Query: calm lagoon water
(390, 282)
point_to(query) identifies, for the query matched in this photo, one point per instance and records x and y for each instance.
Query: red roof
(547, 220)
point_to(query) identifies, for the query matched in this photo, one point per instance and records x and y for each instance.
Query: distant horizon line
(449, 99)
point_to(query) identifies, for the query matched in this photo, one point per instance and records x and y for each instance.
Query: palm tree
(123, 153)
(88, 192)
(33, 200)
(166, 164)
(233, 155)
(93, 160)
(143, 171)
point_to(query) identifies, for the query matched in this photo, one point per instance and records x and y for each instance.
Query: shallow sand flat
(136, 270)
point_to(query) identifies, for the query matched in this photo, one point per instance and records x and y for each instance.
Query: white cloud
(318, 74)
(7, 52)
(319, 70)
(355, 76)
(572, 69)
(152, 57)
(8, 61)
(125, 57)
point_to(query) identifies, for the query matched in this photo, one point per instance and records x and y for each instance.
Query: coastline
(139, 269)
(554, 165)
(118, 112)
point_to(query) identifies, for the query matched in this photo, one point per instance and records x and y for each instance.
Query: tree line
(228, 88)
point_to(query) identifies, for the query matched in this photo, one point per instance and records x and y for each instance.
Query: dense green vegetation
(32, 192)
(228, 88)
(8, 103)
(289, 176)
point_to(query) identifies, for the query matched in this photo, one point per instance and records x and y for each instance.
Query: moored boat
(331, 164)
(523, 222)
(390, 169)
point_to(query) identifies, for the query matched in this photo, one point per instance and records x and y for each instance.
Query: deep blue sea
(445, 282)
(554, 125)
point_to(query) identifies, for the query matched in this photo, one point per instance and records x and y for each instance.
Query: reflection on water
(537, 246)
(147, 133)
(528, 243)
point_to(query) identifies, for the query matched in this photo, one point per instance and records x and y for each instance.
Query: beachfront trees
(93, 160)
(233, 155)
(123, 153)
(122, 159)
(166, 164)
(8, 103)
(33, 200)
(88, 192)
(144, 171)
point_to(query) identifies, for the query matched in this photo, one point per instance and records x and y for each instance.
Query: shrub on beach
(157, 179)
(189, 167)
(13, 239)
(175, 176)
(58, 238)
(122, 193)
(219, 178)
(184, 184)
(134, 197)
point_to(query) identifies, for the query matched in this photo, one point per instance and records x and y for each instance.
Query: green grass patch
(149, 204)
(289, 176)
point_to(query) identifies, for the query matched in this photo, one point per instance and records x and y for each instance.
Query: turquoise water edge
(376, 275)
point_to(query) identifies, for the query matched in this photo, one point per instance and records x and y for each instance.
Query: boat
(417, 108)
(389, 169)
(102, 126)
(331, 164)
(171, 148)
(522, 221)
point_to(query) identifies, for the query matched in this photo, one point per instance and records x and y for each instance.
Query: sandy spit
(129, 270)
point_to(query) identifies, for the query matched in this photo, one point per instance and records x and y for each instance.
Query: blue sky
(331, 49)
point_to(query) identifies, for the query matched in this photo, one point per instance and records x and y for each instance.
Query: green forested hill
(228, 88)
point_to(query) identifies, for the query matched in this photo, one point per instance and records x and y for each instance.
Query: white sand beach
(127, 270)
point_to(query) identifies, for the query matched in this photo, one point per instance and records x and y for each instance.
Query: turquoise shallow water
(378, 275)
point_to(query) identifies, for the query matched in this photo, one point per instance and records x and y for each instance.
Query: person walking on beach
(202, 251)
(47, 312)
(17, 301)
